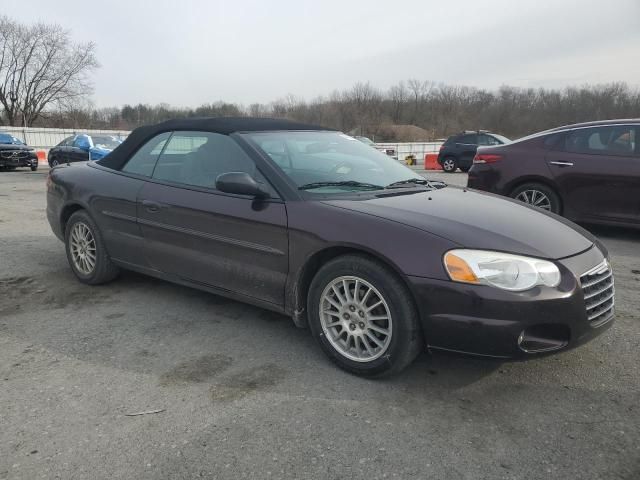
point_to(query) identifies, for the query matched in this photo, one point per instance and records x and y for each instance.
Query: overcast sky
(188, 52)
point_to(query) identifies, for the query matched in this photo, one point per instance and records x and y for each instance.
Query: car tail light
(486, 158)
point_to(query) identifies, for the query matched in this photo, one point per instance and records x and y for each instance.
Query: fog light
(545, 337)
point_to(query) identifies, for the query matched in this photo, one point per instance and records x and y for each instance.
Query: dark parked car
(15, 154)
(458, 150)
(589, 172)
(377, 261)
(82, 148)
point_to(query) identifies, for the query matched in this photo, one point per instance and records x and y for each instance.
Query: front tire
(363, 317)
(449, 164)
(54, 162)
(538, 195)
(86, 251)
(34, 168)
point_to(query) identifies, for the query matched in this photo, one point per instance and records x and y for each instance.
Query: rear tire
(353, 334)
(34, 168)
(538, 195)
(53, 162)
(449, 164)
(86, 251)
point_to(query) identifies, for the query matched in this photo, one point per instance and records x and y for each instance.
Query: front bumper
(486, 321)
(27, 161)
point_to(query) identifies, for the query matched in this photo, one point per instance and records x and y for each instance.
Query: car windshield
(6, 138)
(106, 142)
(332, 162)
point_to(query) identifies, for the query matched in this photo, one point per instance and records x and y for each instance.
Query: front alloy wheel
(356, 319)
(363, 316)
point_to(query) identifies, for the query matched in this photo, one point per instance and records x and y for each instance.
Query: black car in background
(458, 151)
(82, 148)
(15, 154)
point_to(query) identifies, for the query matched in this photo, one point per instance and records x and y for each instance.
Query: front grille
(14, 154)
(598, 290)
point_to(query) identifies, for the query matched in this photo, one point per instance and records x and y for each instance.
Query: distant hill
(401, 133)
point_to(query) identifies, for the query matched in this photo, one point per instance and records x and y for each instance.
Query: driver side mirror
(241, 183)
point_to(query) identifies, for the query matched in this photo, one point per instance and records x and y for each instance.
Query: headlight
(502, 270)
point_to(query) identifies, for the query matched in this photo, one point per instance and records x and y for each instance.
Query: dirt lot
(247, 395)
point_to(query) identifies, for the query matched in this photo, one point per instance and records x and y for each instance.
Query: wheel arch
(68, 210)
(317, 259)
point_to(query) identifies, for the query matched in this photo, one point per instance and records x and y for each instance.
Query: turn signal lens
(458, 269)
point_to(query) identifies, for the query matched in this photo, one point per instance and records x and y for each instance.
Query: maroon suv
(588, 172)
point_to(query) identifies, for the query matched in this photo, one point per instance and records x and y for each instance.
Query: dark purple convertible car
(378, 262)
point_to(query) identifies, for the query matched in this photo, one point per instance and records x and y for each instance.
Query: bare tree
(40, 66)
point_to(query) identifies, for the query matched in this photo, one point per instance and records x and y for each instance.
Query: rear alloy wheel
(86, 252)
(363, 317)
(538, 195)
(449, 164)
(54, 162)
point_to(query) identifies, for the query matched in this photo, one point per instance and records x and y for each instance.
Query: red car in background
(588, 172)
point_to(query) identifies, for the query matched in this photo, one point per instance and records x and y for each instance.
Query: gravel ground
(245, 394)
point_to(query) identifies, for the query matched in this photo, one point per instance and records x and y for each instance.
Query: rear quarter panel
(109, 197)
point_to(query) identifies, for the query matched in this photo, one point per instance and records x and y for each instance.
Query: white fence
(417, 149)
(46, 138)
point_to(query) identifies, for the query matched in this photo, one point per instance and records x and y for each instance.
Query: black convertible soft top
(223, 125)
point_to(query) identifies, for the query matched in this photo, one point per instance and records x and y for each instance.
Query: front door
(231, 242)
(598, 172)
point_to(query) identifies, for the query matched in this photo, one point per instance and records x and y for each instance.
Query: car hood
(13, 146)
(479, 220)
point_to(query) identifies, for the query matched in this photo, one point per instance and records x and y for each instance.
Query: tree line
(439, 110)
(45, 80)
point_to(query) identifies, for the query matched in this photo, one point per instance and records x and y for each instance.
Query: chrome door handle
(562, 164)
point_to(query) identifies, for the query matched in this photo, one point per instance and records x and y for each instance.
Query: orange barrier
(42, 157)
(431, 162)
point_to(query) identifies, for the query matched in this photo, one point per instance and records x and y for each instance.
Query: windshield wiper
(417, 181)
(345, 183)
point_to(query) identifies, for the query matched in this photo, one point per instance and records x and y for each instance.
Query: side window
(143, 161)
(487, 140)
(198, 158)
(469, 139)
(553, 140)
(66, 142)
(614, 140)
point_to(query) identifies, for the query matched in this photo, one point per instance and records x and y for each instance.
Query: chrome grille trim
(599, 293)
(18, 154)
